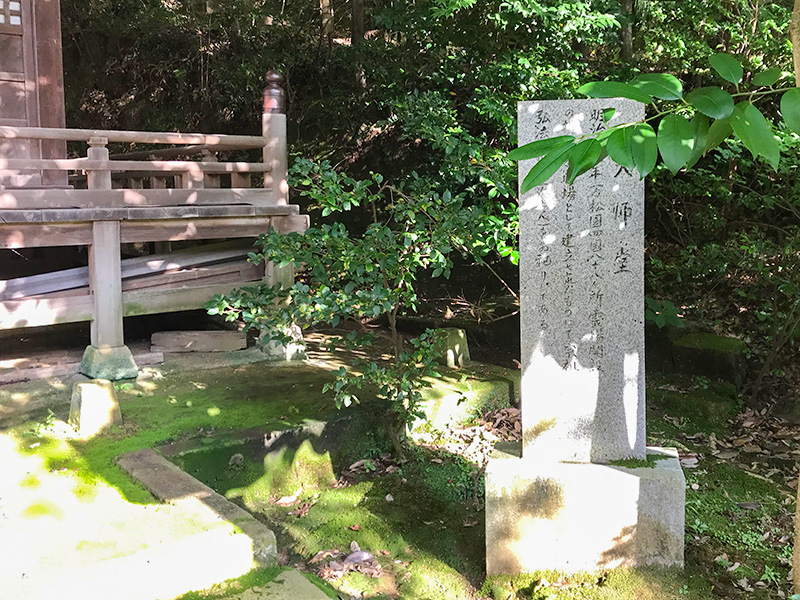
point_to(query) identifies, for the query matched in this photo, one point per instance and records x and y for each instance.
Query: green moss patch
(707, 407)
(287, 472)
(621, 584)
(711, 341)
(633, 463)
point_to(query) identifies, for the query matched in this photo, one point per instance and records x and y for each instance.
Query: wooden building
(31, 84)
(181, 192)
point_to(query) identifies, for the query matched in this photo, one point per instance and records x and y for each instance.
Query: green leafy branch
(696, 123)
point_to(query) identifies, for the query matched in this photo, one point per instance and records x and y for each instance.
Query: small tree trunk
(326, 11)
(627, 29)
(357, 22)
(794, 34)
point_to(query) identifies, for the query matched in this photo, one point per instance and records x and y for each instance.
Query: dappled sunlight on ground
(54, 522)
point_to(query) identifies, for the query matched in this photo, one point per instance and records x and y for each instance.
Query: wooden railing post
(275, 154)
(107, 357)
(273, 128)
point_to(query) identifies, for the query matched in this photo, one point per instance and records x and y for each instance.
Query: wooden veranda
(145, 198)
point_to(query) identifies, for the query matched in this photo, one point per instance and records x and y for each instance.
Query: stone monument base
(574, 517)
(109, 363)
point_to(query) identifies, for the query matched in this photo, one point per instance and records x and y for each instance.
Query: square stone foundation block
(109, 363)
(453, 347)
(94, 407)
(575, 517)
(295, 350)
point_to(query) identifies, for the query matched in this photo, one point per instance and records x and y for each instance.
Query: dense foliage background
(424, 92)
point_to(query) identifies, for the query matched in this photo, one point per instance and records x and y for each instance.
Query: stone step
(289, 585)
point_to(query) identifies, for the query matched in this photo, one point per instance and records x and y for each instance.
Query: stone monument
(564, 500)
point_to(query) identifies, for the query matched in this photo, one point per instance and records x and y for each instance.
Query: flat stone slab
(289, 585)
(198, 341)
(170, 484)
(577, 517)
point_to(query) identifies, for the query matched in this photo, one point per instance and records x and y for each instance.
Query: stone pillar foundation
(109, 363)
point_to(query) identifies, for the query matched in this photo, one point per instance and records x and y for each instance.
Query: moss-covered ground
(422, 522)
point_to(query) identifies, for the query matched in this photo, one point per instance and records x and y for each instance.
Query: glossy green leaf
(768, 77)
(790, 109)
(660, 85)
(539, 147)
(608, 114)
(546, 167)
(752, 128)
(675, 142)
(614, 89)
(711, 101)
(644, 148)
(583, 157)
(719, 131)
(728, 67)
(618, 147)
(700, 126)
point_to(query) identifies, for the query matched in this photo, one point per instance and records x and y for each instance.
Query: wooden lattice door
(31, 84)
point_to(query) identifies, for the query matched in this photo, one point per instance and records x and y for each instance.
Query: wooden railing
(141, 197)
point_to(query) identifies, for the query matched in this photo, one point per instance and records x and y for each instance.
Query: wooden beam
(291, 223)
(174, 230)
(240, 273)
(139, 137)
(173, 166)
(66, 215)
(150, 302)
(64, 198)
(136, 267)
(236, 273)
(198, 341)
(37, 236)
(36, 313)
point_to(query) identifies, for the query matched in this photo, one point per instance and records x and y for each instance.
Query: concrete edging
(171, 485)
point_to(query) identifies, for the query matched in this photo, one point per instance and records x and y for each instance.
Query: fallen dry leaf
(323, 554)
(302, 510)
(726, 454)
(286, 500)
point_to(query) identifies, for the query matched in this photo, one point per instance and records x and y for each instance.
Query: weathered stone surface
(712, 356)
(451, 406)
(582, 297)
(293, 351)
(109, 363)
(94, 407)
(582, 517)
(198, 341)
(560, 503)
(170, 484)
(453, 347)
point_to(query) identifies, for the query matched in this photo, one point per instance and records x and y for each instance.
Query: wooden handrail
(32, 200)
(83, 164)
(168, 153)
(143, 137)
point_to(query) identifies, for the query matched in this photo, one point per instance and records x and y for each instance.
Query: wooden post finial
(274, 94)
